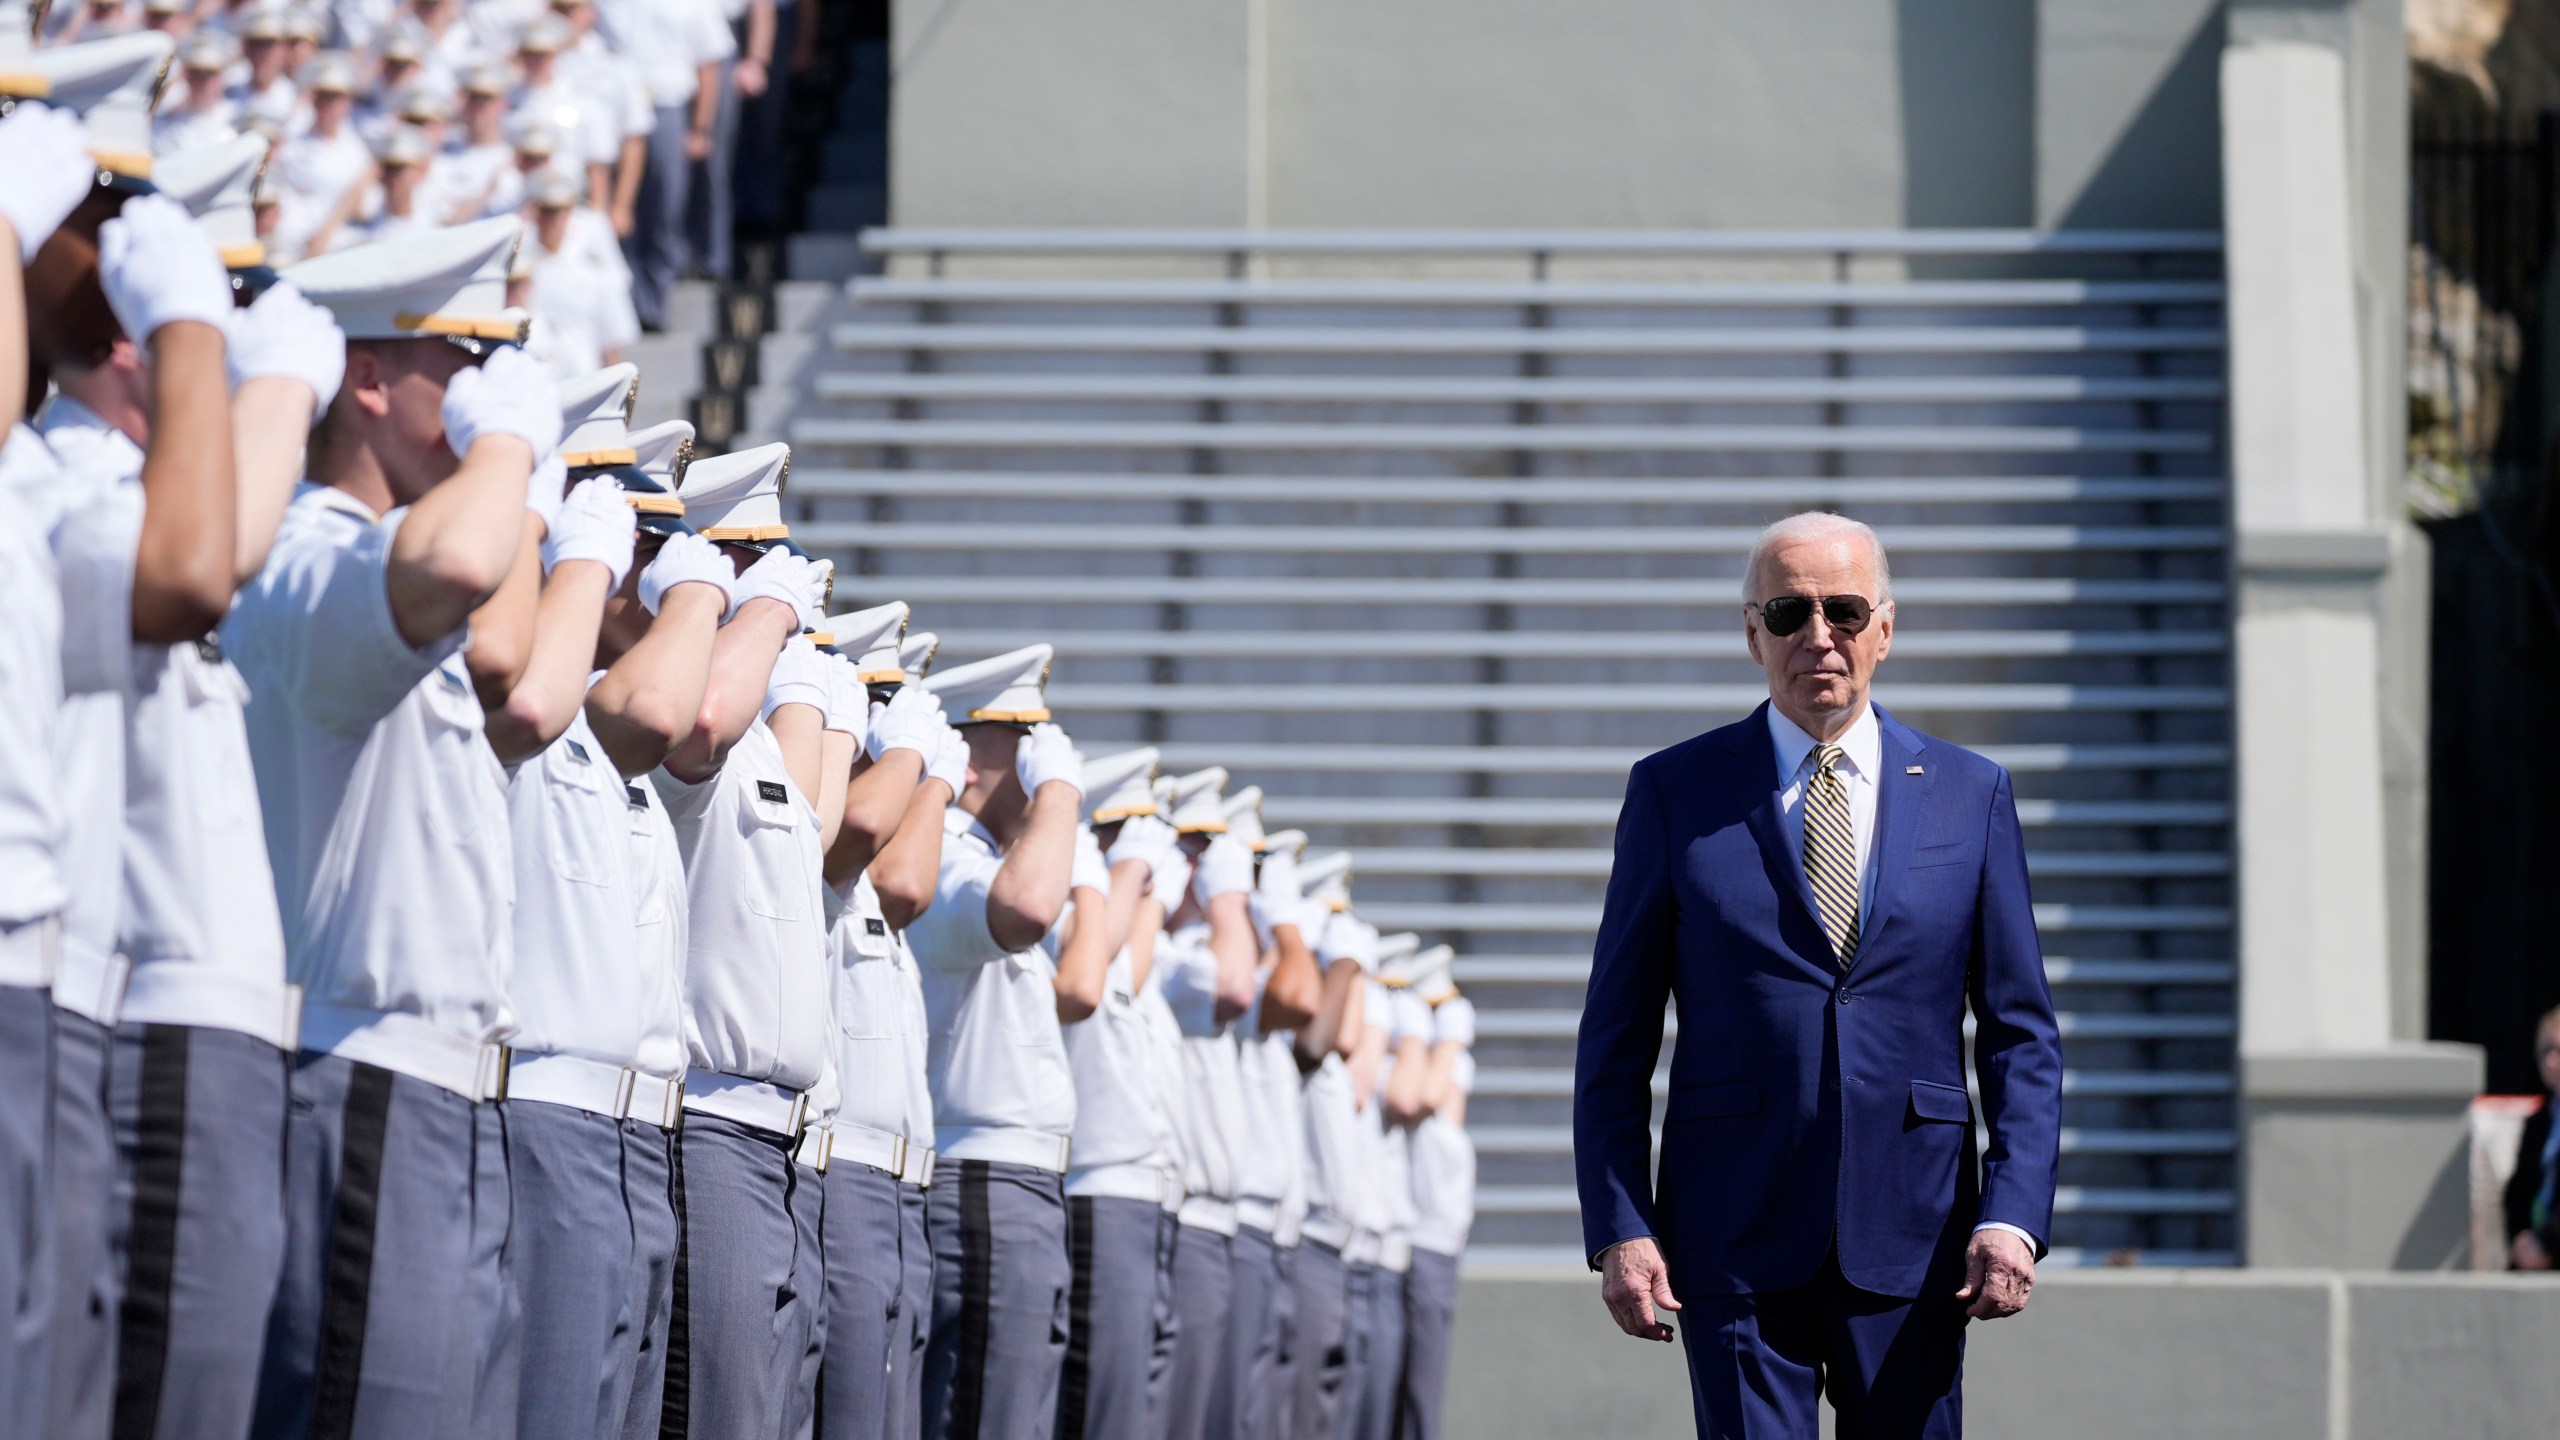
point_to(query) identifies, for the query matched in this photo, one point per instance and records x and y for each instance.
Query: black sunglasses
(1788, 614)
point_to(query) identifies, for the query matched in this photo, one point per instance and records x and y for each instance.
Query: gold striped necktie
(1830, 853)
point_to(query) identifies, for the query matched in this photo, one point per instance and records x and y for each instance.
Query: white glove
(1144, 838)
(686, 560)
(594, 523)
(1349, 939)
(818, 588)
(778, 575)
(45, 172)
(1172, 876)
(912, 720)
(510, 393)
(282, 335)
(1225, 868)
(158, 268)
(1088, 872)
(550, 483)
(1277, 884)
(1046, 754)
(848, 703)
(799, 678)
(949, 762)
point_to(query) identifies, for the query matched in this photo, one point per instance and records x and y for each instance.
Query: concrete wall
(2201, 1355)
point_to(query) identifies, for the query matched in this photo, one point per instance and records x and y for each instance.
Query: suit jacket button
(1848, 995)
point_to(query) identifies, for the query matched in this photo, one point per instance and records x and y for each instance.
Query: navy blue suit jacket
(1810, 1107)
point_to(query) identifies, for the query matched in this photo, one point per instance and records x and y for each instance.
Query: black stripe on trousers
(347, 1288)
(977, 1287)
(675, 1406)
(1076, 1379)
(151, 1264)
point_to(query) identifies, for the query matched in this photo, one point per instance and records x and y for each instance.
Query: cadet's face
(1819, 676)
(403, 388)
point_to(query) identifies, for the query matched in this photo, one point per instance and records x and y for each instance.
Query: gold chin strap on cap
(23, 85)
(577, 459)
(496, 327)
(132, 164)
(747, 532)
(648, 504)
(1122, 812)
(1012, 717)
(1214, 827)
(243, 257)
(890, 676)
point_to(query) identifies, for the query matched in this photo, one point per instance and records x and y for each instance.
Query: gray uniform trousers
(1113, 1305)
(1279, 1397)
(866, 1314)
(88, 1273)
(26, 1206)
(1168, 1326)
(656, 247)
(809, 1281)
(1383, 1380)
(915, 1313)
(709, 201)
(199, 1122)
(392, 1314)
(740, 1329)
(1000, 1280)
(648, 1161)
(570, 1263)
(1360, 1335)
(1239, 1399)
(1430, 1308)
(1203, 1284)
(1320, 1401)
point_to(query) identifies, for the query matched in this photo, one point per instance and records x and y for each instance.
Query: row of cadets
(1443, 1179)
(1004, 1094)
(744, 794)
(1124, 1185)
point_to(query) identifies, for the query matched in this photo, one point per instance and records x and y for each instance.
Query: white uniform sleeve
(93, 546)
(1453, 1021)
(1090, 872)
(317, 625)
(952, 933)
(1408, 1018)
(712, 42)
(1190, 972)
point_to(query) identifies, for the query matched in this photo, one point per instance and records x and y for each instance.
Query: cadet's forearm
(1410, 1083)
(1030, 888)
(1085, 958)
(875, 802)
(1295, 990)
(1145, 929)
(1128, 887)
(742, 659)
(836, 749)
(799, 731)
(458, 542)
(1231, 945)
(13, 323)
(910, 865)
(182, 565)
(1336, 1023)
(547, 696)
(502, 628)
(270, 421)
(648, 699)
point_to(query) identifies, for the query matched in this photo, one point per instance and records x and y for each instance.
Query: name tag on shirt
(453, 682)
(638, 797)
(578, 753)
(874, 925)
(772, 790)
(209, 649)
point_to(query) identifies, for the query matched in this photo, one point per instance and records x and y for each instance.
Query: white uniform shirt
(1336, 1153)
(998, 1062)
(1163, 1036)
(574, 989)
(176, 130)
(385, 810)
(196, 916)
(1270, 1145)
(1124, 1133)
(94, 528)
(881, 1030)
(659, 932)
(31, 804)
(667, 41)
(1444, 1159)
(1212, 1073)
(756, 965)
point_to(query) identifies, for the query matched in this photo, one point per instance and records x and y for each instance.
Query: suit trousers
(199, 1116)
(1893, 1368)
(392, 1314)
(26, 1207)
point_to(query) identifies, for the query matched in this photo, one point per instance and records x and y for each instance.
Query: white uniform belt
(1036, 1148)
(816, 1148)
(759, 1103)
(29, 952)
(863, 1145)
(176, 992)
(1361, 1249)
(90, 983)
(1151, 1183)
(1207, 1212)
(1262, 1215)
(410, 1046)
(1439, 1244)
(918, 1170)
(616, 1092)
(1331, 1231)
(1395, 1252)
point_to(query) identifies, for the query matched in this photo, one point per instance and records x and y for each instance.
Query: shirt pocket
(577, 790)
(866, 996)
(777, 890)
(217, 743)
(1931, 1100)
(1030, 1002)
(450, 720)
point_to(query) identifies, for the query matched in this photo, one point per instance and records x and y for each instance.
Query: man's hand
(1998, 1273)
(1633, 1280)
(2529, 1253)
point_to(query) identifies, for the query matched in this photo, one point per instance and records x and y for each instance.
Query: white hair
(1815, 525)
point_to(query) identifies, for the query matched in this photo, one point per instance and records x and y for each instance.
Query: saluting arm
(1030, 887)
(911, 862)
(183, 565)
(742, 659)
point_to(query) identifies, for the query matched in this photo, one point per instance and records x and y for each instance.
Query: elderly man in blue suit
(1825, 892)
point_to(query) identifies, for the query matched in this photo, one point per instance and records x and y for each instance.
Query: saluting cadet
(128, 571)
(880, 1145)
(1444, 1197)
(1288, 989)
(1004, 1098)
(656, 644)
(1208, 957)
(386, 825)
(1397, 1058)
(197, 1073)
(755, 974)
(1123, 1169)
(1324, 1395)
(45, 172)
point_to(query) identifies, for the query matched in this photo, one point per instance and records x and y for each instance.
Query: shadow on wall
(2164, 168)
(1968, 74)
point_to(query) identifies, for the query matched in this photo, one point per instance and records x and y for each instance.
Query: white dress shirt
(1002, 1088)
(881, 1031)
(1444, 1159)
(575, 988)
(1213, 1077)
(1124, 1143)
(660, 933)
(31, 804)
